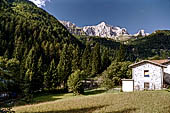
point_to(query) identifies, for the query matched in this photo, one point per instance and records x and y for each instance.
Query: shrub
(74, 82)
(114, 73)
(107, 83)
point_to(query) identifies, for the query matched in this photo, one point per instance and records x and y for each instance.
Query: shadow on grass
(38, 99)
(46, 98)
(129, 110)
(93, 92)
(83, 110)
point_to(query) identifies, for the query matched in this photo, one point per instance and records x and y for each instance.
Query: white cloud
(40, 3)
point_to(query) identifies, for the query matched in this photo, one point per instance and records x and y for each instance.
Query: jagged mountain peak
(102, 30)
(72, 28)
(102, 24)
(141, 33)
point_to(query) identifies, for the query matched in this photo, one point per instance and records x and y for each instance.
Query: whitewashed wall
(127, 85)
(154, 79)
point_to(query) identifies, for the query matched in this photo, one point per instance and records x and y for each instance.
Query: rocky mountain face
(105, 30)
(72, 28)
(101, 30)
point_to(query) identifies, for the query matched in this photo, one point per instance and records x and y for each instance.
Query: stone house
(148, 75)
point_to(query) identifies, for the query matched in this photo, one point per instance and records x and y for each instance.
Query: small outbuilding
(127, 85)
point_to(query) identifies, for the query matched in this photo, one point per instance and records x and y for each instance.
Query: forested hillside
(38, 53)
(155, 45)
(111, 46)
(34, 43)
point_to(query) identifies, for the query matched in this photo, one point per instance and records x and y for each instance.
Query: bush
(114, 73)
(107, 83)
(74, 83)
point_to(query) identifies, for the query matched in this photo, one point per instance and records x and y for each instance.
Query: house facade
(150, 74)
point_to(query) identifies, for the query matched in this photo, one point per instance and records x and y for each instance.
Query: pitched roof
(164, 61)
(155, 62)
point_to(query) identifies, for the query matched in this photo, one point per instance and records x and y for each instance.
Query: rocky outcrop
(72, 28)
(104, 30)
(141, 33)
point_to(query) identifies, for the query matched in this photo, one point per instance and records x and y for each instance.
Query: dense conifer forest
(38, 53)
(36, 45)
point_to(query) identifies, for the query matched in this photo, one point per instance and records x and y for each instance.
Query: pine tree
(47, 81)
(120, 54)
(51, 50)
(18, 48)
(6, 54)
(30, 60)
(105, 59)
(40, 70)
(31, 66)
(74, 82)
(89, 67)
(64, 66)
(76, 59)
(85, 57)
(28, 80)
(96, 60)
(53, 73)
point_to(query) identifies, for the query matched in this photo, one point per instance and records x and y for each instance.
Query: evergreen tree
(74, 82)
(96, 60)
(120, 54)
(85, 58)
(28, 80)
(76, 59)
(53, 73)
(6, 54)
(40, 70)
(64, 66)
(30, 60)
(88, 71)
(31, 66)
(105, 59)
(47, 81)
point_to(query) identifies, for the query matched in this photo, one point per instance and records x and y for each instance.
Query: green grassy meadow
(53, 97)
(108, 102)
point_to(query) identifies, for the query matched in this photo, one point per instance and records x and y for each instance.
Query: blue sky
(149, 15)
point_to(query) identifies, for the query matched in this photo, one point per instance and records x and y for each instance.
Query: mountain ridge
(102, 30)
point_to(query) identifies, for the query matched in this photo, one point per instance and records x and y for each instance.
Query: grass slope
(137, 102)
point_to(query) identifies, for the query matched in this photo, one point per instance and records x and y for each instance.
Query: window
(146, 85)
(146, 73)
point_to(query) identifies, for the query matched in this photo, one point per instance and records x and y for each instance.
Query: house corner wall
(155, 76)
